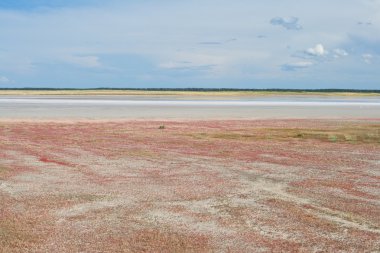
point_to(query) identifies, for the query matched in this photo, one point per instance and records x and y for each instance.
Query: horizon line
(199, 89)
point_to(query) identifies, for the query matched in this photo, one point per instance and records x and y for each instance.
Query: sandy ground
(192, 186)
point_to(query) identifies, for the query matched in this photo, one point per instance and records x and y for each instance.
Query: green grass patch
(333, 138)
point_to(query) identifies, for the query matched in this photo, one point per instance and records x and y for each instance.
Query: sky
(193, 43)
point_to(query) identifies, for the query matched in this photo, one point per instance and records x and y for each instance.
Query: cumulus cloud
(4, 79)
(318, 50)
(367, 58)
(297, 65)
(83, 61)
(319, 53)
(290, 23)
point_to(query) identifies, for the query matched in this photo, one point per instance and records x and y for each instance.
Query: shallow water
(173, 107)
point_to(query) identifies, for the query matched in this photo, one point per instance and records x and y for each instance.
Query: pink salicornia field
(190, 186)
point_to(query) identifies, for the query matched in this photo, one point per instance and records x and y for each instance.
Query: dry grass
(19, 232)
(147, 239)
(350, 134)
(3, 171)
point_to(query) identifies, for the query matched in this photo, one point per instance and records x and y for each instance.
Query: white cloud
(290, 23)
(4, 79)
(83, 61)
(318, 50)
(338, 53)
(367, 58)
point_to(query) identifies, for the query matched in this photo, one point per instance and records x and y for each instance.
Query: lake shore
(65, 107)
(211, 93)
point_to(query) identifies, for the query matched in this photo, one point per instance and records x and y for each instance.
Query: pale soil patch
(82, 209)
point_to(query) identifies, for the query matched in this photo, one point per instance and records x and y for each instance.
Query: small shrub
(161, 127)
(333, 138)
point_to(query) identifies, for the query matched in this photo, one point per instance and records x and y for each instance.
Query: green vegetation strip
(355, 135)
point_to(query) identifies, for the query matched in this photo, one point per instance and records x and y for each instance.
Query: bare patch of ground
(194, 186)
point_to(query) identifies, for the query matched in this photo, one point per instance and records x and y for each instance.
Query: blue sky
(193, 43)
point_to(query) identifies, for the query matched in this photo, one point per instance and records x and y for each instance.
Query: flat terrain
(191, 186)
(102, 92)
(187, 107)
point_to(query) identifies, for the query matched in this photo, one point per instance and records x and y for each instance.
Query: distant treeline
(195, 89)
